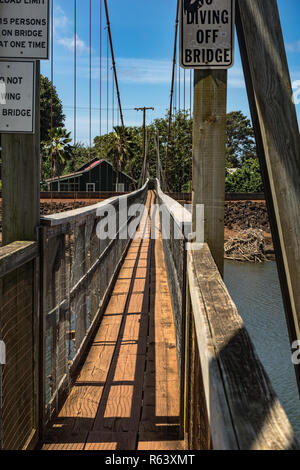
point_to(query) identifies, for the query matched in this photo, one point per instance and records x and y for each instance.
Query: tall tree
(50, 105)
(246, 179)
(240, 140)
(57, 150)
(240, 147)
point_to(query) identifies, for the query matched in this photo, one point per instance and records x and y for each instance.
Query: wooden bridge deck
(126, 396)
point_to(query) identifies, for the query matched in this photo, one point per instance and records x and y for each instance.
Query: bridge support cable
(115, 76)
(159, 168)
(90, 85)
(114, 63)
(52, 90)
(143, 176)
(100, 89)
(75, 97)
(171, 95)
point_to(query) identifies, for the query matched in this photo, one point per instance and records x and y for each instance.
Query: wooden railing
(179, 222)
(80, 195)
(227, 398)
(78, 271)
(19, 330)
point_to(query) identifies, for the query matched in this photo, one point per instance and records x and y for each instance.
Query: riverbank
(247, 232)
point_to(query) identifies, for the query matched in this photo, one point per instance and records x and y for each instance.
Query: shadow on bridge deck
(126, 396)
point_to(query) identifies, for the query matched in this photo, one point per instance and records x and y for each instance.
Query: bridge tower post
(276, 129)
(209, 150)
(21, 180)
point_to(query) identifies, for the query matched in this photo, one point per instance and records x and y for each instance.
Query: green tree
(240, 147)
(79, 155)
(51, 105)
(246, 179)
(57, 150)
(240, 140)
(122, 149)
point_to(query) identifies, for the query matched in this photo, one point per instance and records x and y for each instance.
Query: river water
(256, 292)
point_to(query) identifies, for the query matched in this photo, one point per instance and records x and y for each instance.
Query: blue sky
(143, 35)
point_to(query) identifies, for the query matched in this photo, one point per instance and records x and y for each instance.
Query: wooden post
(21, 220)
(209, 149)
(278, 142)
(21, 180)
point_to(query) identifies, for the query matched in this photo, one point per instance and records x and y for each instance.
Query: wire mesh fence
(18, 332)
(78, 270)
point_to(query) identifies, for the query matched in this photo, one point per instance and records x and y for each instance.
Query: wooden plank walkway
(126, 396)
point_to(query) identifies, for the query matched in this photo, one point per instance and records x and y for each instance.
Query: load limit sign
(24, 29)
(207, 34)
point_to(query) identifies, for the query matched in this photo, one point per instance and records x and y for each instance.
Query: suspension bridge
(133, 342)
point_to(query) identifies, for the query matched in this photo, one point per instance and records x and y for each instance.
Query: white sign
(17, 97)
(207, 34)
(24, 29)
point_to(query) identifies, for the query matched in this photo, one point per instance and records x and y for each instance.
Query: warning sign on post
(24, 29)
(207, 34)
(17, 85)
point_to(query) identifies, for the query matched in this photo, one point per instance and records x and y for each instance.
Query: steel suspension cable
(107, 82)
(114, 63)
(75, 95)
(90, 86)
(172, 92)
(52, 93)
(100, 95)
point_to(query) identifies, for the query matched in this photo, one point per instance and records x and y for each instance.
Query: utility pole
(144, 109)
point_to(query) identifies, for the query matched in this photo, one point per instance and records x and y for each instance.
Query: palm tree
(118, 151)
(57, 149)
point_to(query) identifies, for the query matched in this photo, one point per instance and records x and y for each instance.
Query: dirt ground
(49, 207)
(239, 215)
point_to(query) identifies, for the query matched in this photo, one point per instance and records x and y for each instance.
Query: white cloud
(144, 71)
(130, 70)
(69, 44)
(294, 46)
(62, 29)
(61, 21)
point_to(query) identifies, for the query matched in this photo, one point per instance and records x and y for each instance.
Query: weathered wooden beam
(278, 141)
(15, 255)
(21, 180)
(243, 410)
(209, 150)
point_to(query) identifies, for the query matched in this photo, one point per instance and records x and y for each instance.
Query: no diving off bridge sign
(207, 34)
(24, 29)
